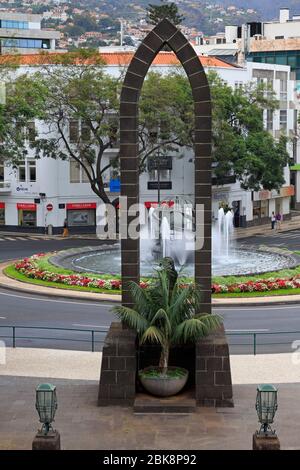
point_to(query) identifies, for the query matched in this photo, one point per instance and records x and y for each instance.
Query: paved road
(289, 240)
(30, 310)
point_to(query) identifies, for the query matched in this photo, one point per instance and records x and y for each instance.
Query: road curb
(9, 283)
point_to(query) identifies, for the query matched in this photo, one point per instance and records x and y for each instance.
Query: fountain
(168, 239)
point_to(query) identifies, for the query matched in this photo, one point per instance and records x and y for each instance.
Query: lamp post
(266, 406)
(46, 405)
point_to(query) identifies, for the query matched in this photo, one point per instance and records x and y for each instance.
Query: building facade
(44, 192)
(23, 34)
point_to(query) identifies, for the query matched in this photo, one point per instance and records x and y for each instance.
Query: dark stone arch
(209, 363)
(165, 33)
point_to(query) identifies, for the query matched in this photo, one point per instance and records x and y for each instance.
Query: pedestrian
(278, 220)
(273, 220)
(66, 230)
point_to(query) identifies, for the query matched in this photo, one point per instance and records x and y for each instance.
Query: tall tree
(169, 10)
(76, 91)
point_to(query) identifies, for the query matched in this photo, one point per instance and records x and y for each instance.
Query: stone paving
(83, 425)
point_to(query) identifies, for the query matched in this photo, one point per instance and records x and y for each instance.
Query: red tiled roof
(109, 58)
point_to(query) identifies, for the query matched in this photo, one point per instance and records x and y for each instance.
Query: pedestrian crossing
(4, 238)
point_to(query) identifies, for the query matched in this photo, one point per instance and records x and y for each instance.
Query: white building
(25, 193)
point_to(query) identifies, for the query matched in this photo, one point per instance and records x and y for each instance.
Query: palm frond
(131, 318)
(142, 298)
(196, 328)
(162, 315)
(152, 335)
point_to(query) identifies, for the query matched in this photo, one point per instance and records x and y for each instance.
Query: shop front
(2, 213)
(81, 214)
(27, 215)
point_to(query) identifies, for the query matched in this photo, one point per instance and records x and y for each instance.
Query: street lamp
(46, 405)
(266, 406)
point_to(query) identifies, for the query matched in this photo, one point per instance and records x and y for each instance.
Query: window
(22, 173)
(25, 43)
(32, 171)
(27, 171)
(283, 119)
(283, 90)
(74, 171)
(269, 119)
(1, 172)
(10, 24)
(30, 132)
(77, 173)
(260, 209)
(85, 132)
(73, 131)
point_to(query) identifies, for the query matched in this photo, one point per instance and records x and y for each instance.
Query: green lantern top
(266, 388)
(45, 388)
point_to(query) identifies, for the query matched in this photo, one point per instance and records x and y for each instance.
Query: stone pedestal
(49, 441)
(262, 442)
(118, 371)
(213, 375)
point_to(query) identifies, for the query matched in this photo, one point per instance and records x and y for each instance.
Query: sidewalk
(287, 225)
(85, 426)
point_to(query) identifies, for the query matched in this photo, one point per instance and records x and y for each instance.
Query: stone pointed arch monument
(208, 361)
(165, 33)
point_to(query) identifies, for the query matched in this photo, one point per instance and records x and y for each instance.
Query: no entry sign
(49, 207)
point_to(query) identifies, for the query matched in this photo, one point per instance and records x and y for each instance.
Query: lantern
(46, 405)
(266, 406)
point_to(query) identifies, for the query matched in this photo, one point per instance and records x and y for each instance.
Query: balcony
(5, 187)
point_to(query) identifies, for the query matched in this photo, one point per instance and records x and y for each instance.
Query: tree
(167, 314)
(241, 145)
(76, 91)
(169, 10)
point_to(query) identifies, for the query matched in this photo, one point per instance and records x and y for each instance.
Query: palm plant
(167, 315)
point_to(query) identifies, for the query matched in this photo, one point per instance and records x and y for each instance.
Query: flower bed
(31, 269)
(261, 285)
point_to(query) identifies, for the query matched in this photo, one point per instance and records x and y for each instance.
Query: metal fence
(91, 337)
(254, 341)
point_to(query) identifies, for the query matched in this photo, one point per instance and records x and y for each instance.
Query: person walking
(273, 220)
(66, 229)
(278, 220)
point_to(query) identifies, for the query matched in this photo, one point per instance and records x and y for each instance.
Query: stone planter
(163, 386)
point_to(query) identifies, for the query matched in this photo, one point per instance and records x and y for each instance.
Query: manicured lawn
(10, 271)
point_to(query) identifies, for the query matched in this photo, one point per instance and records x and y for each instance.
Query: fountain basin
(248, 260)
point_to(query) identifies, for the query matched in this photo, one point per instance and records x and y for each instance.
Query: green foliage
(167, 316)
(169, 10)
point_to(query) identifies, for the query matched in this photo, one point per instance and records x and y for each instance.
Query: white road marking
(246, 331)
(2, 318)
(40, 299)
(91, 326)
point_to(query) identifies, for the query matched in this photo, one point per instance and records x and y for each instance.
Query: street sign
(49, 207)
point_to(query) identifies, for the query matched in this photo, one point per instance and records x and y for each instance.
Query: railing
(256, 335)
(91, 334)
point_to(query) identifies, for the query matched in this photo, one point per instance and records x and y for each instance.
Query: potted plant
(166, 313)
